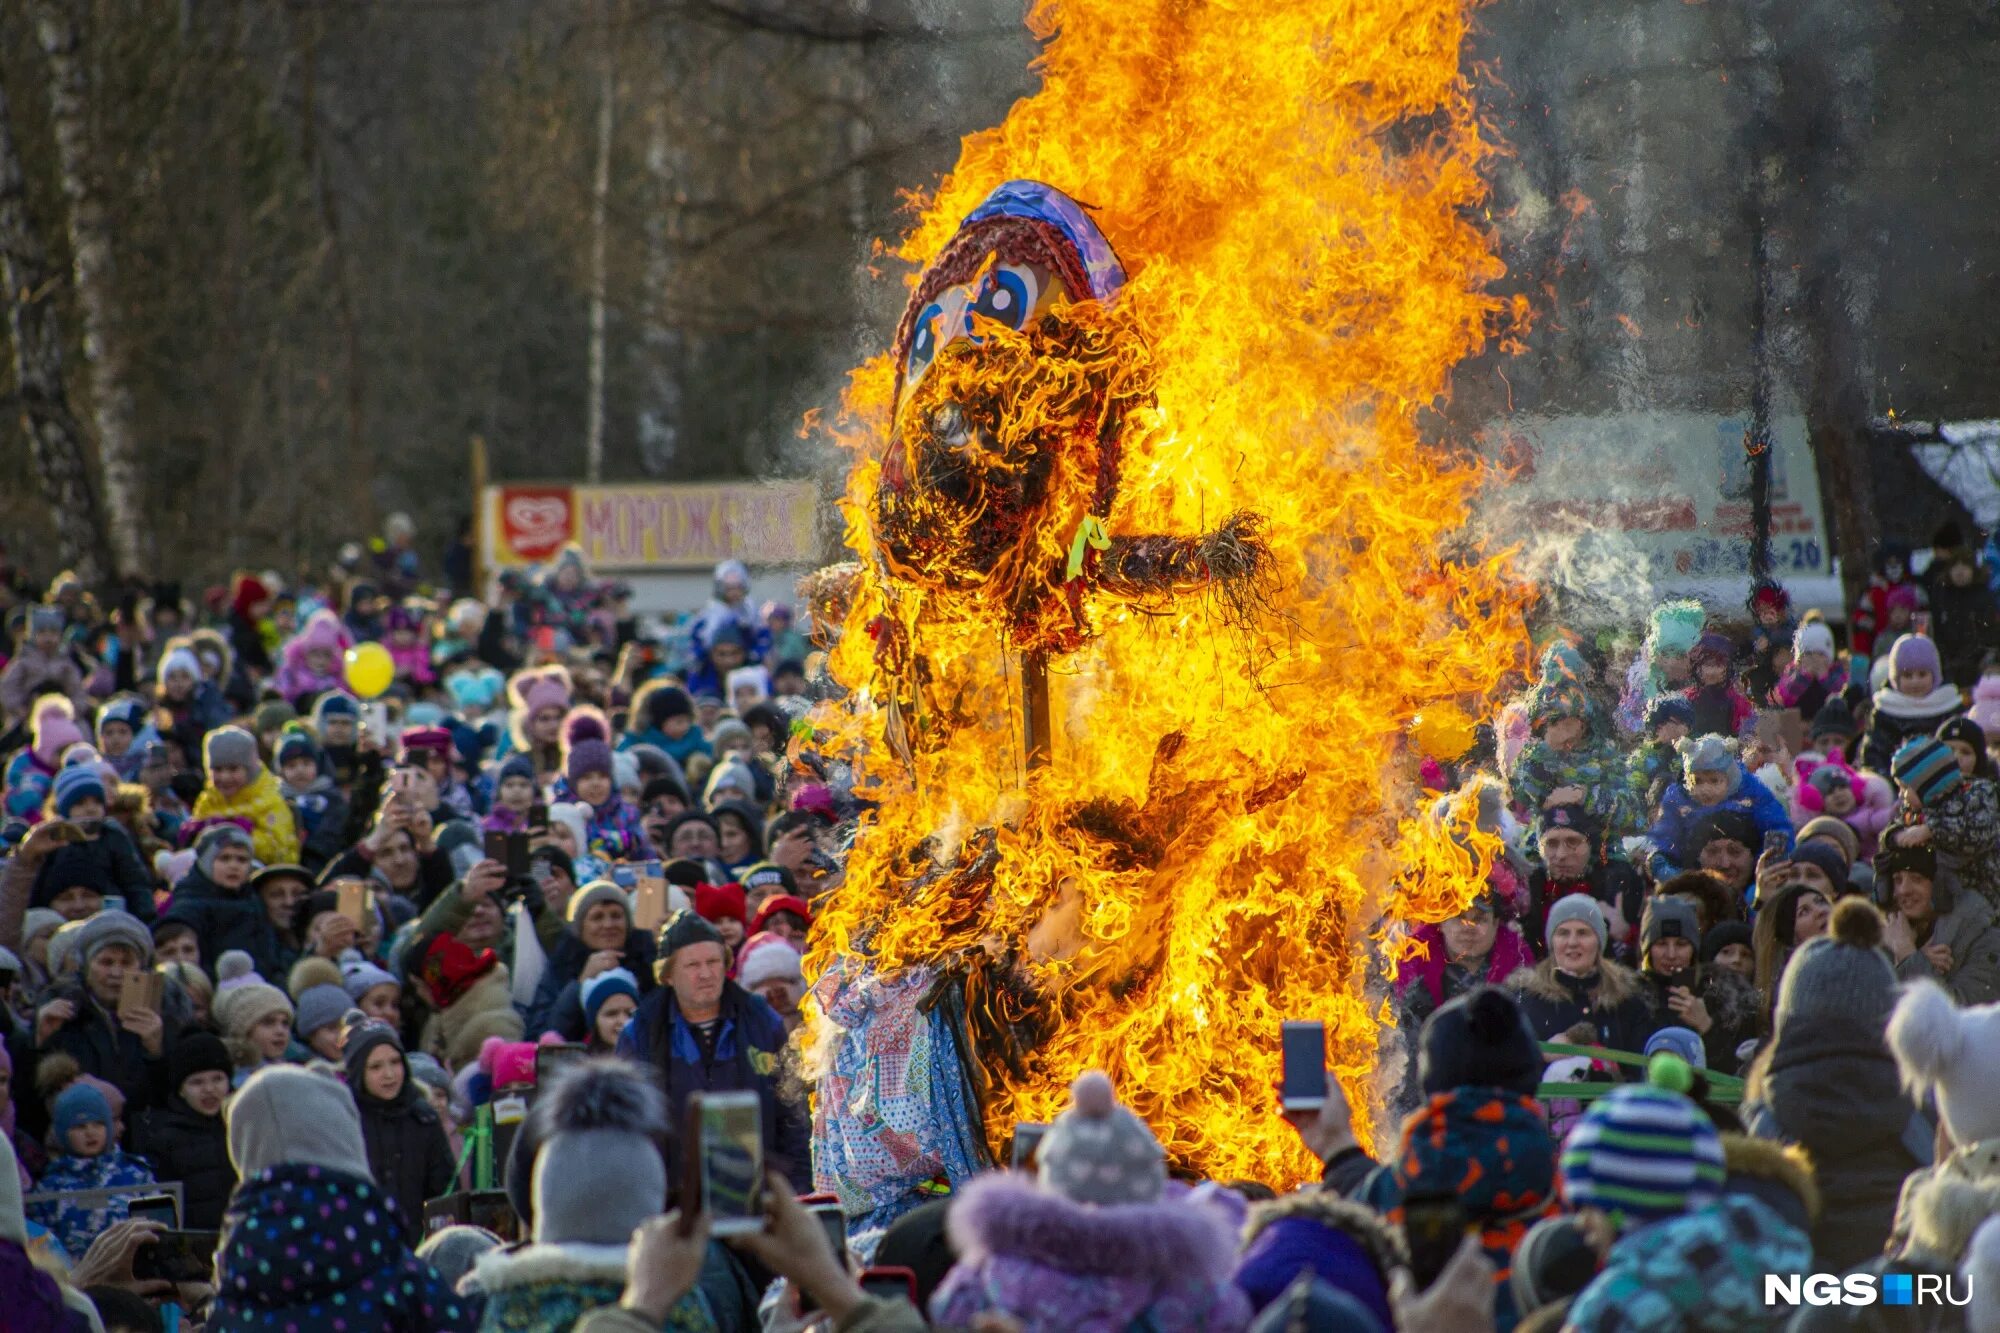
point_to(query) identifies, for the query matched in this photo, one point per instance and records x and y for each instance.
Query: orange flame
(1294, 189)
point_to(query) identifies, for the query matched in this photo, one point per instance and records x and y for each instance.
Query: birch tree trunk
(55, 441)
(111, 397)
(600, 206)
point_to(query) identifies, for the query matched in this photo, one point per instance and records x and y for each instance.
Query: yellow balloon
(1442, 733)
(369, 669)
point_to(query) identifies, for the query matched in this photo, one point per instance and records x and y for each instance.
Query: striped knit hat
(1641, 1154)
(1927, 767)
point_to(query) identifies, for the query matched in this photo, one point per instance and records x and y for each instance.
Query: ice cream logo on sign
(537, 522)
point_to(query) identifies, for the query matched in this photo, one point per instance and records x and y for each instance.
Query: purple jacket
(1061, 1267)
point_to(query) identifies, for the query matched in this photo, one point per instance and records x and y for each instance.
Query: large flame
(1294, 189)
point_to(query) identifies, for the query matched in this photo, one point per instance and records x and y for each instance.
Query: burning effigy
(1153, 571)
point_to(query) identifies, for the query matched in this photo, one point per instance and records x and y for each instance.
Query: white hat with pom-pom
(1098, 1152)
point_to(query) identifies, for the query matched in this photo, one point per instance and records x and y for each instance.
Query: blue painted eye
(923, 343)
(1006, 297)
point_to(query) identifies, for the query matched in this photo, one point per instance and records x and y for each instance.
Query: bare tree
(55, 441)
(114, 406)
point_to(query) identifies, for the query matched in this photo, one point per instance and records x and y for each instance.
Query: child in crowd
(1712, 777)
(1572, 761)
(1960, 815)
(1662, 665)
(1865, 802)
(314, 797)
(185, 1139)
(239, 784)
(87, 1158)
(612, 831)
(1815, 674)
(1770, 650)
(1720, 708)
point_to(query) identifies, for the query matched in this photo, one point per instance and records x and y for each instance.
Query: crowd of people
(299, 951)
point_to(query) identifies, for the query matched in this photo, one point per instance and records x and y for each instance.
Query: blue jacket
(747, 1051)
(1678, 813)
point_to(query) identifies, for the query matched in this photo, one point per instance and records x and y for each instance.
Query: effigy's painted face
(1013, 295)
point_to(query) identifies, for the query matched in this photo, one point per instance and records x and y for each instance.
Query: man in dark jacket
(1571, 842)
(186, 1139)
(705, 1033)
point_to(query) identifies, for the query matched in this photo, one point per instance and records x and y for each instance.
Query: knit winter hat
(1482, 1039)
(1098, 1152)
(782, 902)
(1834, 718)
(54, 729)
(598, 1172)
(1669, 708)
(1310, 1305)
(679, 931)
(80, 1104)
(73, 784)
(1835, 832)
(1553, 1262)
(1827, 857)
(114, 927)
(242, 997)
(197, 1052)
(296, 743)
(1814, 636)
(319, 1006)
(179, 658)
(1718, 824)
(586, 744)
(769, 957)
(1927, 767)
(1578, 907)
(1680, 1041)
(667, 702)
(364, 1034)
(37, 920)
(1642, 1153)
(421, 742)
(289, 1115)
(764, 875)
(358, 977)
(218, 835)
(1665, 917)
(1916, 652)
(1952, 1054)
(714, 902)
(1674, 627)
(273, 716)
(1838, 991)
(1711, 647)
(589, 896)
(1721, 935)
(334, 704)
(516, 765)
(612, 981)
(1710, 754)
(1576, 819)
(230, 746)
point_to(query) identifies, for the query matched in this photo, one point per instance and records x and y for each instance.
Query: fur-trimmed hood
(542, 1265)
(1616, 983)
(1002, 1215)
(1944, 1204)
(1330, 1210)
(1761, 1167)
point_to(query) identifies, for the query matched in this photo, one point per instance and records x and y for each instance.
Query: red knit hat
(713, 902)
(450, 968)
(784, 902)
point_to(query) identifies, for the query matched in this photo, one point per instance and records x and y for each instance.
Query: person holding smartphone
(1718, 1006)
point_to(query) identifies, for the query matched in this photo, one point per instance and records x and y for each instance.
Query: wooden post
(479, 519)
(1038, 732)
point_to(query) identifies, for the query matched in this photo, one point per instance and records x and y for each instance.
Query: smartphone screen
(178, 1256)
(1433, 1224)
(889, 1284)
(1775, 842)
(834, 1223)
(1027, 1140)
(159, 1208)
(1304, 1049)
(732, 1162)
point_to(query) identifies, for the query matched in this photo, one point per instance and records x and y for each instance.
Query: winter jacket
(558, 1003)
(1597, 766)
(1700, 1272)
(1896, 717)
(321, 1251)
(1943, 1204)
(1806, 693)
(1679, 811)
(185, 1145)
(113, 852)
(1875, 804)
(1054, 1266)
(194, 717)
(544, 1288)
(1968, 930)
(1963, 624)
(274, 835)
(74, 1225)
(1611, 1001)
(223, 920)
(29, 782)
(748, 1046)
(1838, 1095)
(102, 1047)
(1491, 1148)
(1965, 829)
(408, 1154)
(1343, 1243)
(320, 812)
(31, 672)
(486, 1009)
(1722, 710)
(613, 831)
(871, 1316)
(1735, 1012)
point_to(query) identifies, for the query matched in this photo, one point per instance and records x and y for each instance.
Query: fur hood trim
(1781, 1163)
(1177, 1240)
(1362, 1225)
(540, 1265)
(1616, 983)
